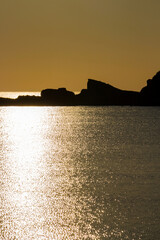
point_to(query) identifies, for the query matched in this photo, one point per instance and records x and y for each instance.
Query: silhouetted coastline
(97, 94)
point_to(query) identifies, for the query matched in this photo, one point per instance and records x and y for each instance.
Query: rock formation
(150, 94)
(58, 97)
(97, 94)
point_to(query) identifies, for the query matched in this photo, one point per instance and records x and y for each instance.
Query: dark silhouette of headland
(97, 94)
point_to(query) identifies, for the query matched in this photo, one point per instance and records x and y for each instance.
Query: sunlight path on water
(23, 191)
(79, 173)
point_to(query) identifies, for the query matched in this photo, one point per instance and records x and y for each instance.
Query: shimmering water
(70, 173)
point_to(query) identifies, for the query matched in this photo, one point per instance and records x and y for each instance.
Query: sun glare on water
(25, 133)
(24, 148)
(79, 173)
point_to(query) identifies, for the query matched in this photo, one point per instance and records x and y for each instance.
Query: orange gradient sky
(62, 43)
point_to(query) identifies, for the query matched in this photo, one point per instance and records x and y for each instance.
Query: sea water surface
(74, 173)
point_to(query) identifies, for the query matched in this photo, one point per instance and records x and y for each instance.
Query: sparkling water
(71, 173)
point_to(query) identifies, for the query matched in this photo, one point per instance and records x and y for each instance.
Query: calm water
(70, 173)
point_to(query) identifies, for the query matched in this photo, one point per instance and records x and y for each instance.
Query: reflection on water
(79, 173)
(22, 171)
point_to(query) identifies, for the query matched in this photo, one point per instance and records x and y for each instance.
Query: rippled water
(71, 173)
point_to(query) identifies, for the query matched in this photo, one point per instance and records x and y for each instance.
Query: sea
(80, 173)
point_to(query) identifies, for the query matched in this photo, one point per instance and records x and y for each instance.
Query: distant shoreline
(97, 94)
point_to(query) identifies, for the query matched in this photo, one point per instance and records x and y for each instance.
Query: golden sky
(62, 43)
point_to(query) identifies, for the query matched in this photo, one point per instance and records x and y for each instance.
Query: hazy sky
(62, 43)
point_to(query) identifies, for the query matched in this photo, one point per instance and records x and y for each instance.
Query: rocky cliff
(150, 94)
(100, 93)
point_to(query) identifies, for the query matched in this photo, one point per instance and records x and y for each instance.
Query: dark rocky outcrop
(6, 101)
(22, 101)
(97, 94)
(58, 97)
(150, 94)
(28, 100)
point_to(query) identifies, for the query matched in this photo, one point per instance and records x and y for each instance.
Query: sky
(62, 43)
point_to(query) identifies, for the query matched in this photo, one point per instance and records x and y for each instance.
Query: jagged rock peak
(157, 76)
(93, 84)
